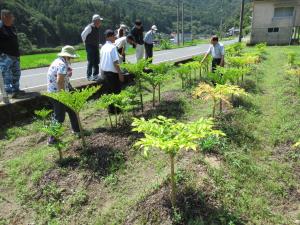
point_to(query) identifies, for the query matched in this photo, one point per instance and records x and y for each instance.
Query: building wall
(263, 19)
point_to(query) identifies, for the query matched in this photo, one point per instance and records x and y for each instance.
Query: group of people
(91, 39)
(111, 55)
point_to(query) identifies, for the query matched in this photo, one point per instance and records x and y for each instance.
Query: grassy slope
(256, 179)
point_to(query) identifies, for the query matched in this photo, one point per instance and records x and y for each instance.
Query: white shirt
(87, 30)
(108, 55)
(121, 42)
(216, 51)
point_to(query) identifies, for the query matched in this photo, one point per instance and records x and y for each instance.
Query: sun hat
(154, 27)
(68, 51)
(123, 26)
(96, 17)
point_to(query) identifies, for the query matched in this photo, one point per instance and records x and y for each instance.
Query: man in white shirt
(110, 64)
(91, 39)
(217, 51)
(121, 46)
(149, 42)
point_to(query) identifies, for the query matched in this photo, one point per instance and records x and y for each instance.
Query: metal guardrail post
(5, 98)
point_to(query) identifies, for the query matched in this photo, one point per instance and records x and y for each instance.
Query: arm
(87, 30)
(60, 82)
(206, 54)
(117, 66)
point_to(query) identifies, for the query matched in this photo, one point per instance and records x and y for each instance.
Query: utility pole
(221, 23)
(178, 42)
(242, 20)
(182, 23)
(192, 25)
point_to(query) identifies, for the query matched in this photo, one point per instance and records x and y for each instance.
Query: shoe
(95, 78)
(90, 78)
(17, 94)
(51, 141)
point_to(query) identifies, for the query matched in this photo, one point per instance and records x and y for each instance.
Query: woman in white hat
(58, 79)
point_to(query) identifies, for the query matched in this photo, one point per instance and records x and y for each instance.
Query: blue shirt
(149, 37)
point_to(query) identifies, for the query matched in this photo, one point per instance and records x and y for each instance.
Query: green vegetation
(249, 176)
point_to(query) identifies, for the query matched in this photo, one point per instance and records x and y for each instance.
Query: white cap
(123, 26)
(154, 27)
(97, 17)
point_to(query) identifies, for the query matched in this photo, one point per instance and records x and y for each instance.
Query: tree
(171, 136)
(75, 100)
(218, 93)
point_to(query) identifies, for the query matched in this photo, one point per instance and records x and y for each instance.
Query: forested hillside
(50, 23)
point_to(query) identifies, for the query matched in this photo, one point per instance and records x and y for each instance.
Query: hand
(121, 77)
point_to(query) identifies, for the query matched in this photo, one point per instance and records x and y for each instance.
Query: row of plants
(165, 134)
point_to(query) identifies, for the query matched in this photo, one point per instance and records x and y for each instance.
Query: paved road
(35, 79)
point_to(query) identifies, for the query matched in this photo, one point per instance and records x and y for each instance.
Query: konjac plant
(171, 137)
(220, 92)
(75, 100)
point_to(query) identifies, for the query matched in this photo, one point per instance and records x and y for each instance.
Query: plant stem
(141, 95)
(221, 107)
(214, 108)
(59, 152)
(153, 97)
(159, 93)
(81, 131)
(173, 186)
(109, 116)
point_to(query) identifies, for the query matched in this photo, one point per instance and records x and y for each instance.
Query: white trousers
(139, 52)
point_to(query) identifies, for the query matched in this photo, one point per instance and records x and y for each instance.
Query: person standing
(110, 67)
(217, 51)
(58, 79)
(138, 35)
(121, 46)
(10, 55)
(149, 42)
(121, 32)
(91, 38)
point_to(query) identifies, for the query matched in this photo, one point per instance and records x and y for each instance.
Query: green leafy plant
(291, 58)
(165, 44)
(124, 101)
(171, 137)
(138, 70)
(183, 72)
(218, 93)
(55, 130)
(43, 114)
(160, 73)
(75, 100)
(223, 75)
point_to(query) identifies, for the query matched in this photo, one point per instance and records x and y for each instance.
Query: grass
(253, 182)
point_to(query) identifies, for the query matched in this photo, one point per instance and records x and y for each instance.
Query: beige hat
(154, 28)
(68, 51)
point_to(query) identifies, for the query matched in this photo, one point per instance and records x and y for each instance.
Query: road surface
(36, 79)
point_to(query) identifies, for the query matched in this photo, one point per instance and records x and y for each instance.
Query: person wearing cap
(110, 67)
(149, 42)
(217, 51)
(121, 46)
(10, 55)
(121, 32)
(91, 38)
(138, 34)
(58, 79)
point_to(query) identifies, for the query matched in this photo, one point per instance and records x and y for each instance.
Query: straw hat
(68, 51)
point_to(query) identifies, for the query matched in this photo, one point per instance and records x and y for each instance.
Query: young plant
(160, 73)
(124, 101)
(218, 93)
(183, 72)
(43, 114)
(222, 75)
(137, 70)
(55, 130)
(75, 100)
(171, 137)
(291, 58)
(294, 72)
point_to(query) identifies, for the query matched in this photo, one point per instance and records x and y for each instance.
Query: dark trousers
(214, 64)
(149, 51)
(59, 114)
(93, 59)
(112, 85)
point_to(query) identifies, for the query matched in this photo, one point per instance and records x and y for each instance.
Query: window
(284, 12)
(273, 30)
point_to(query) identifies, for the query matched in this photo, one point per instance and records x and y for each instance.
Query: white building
(276, 22)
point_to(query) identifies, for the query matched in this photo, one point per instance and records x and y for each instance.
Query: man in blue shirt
(149, 40)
